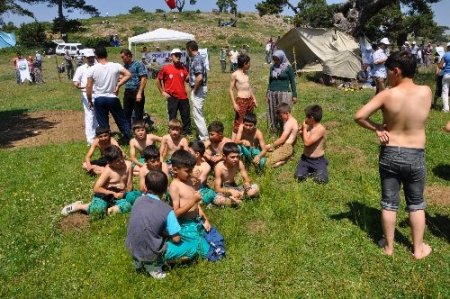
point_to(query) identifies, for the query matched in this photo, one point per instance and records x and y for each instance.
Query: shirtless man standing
(245, 101)
(405, 109)
(313, 161)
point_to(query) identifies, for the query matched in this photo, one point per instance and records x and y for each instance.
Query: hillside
(250, 28)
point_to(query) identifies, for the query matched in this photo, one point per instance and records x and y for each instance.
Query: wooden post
(295, 61)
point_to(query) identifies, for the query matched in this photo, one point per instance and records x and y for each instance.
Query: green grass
(296, 241)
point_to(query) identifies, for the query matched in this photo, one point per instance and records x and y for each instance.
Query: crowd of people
(28, 68)
(192, 172)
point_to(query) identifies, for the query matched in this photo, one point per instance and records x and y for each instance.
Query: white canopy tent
(160, 35)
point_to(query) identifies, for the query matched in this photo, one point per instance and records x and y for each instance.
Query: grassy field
(296, 241)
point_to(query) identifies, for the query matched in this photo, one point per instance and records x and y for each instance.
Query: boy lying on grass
(101, 141)
(112, 191)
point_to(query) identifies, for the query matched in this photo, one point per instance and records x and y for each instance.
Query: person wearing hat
(134, 97)
(428, 53)
(379, 70)
(80, 80)
(233, 55)
(444, 65)
(171, 84)
(414, 50)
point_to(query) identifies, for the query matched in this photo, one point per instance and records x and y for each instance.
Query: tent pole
(295, 61)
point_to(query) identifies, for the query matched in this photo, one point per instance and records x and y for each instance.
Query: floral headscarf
(278, 69)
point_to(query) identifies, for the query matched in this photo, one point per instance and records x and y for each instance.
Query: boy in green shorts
(112, 191)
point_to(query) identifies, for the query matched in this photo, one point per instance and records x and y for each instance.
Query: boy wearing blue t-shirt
(153, 228)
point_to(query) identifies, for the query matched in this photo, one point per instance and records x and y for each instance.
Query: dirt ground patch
(74, 222)
(256, 227)
(22, 129)
(438, 195)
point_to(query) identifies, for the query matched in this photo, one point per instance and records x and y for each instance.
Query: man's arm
(126, 75)
(198, 82)
(89, 154)
(244, 174)
(231, 92)
(362, 117)
(129, 182)
(282, 139)
(163, 149)
(89, 87)
(262, 145)
(142, 84)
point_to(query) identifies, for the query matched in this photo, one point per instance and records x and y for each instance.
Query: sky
(113, 7)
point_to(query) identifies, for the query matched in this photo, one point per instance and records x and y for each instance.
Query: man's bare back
(290, 127)
(317, 147)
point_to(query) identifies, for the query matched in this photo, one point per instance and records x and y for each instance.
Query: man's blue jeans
(104, 105)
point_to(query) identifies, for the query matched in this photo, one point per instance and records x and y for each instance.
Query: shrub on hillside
(238, 40)
(139, 30)
(93, 42)
(136, 10)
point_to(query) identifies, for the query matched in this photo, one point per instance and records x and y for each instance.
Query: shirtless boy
(405, 107)
(251, 142)
(283, 148)
(313, 162)
(152, 159)
(201, 172)
(101, 141)
(214, 145)
(224, 181)
(140, 141)
(112, 191)
(185, 200)
(245, 100)
(172, 141)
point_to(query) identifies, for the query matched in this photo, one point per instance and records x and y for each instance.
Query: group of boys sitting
(159, 232)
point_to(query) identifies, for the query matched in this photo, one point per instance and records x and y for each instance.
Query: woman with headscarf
(282, 88)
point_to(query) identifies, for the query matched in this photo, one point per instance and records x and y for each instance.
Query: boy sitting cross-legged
(185, 201)
(214, 144)
(225, 172)
(140, 141)
(152, 162)
(112, 191)
(101, 141)
(283, 148)
(153, 229)
(172, 141)
(251, 142)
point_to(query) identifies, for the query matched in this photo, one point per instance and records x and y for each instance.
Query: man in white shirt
(379, 70)
(103, 84)
(233, 54)
(80, 80)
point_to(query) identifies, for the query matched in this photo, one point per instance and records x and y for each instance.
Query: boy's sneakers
(158, 274)
(69, 208)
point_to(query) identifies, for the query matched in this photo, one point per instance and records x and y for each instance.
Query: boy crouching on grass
(251, 142)
(153, 229)
(185, 201)
(112, 191)
(313, 162)
(283, 148)
(152, 162)
(101, 141)
(228, 192)
(140, 141)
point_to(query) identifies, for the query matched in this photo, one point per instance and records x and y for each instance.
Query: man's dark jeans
(174, 105)
(104, 105)
(130, 104)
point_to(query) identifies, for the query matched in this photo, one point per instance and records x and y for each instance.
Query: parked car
(71, 47)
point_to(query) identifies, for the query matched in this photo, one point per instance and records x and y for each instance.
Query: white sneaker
(69, 208)
(158, 273)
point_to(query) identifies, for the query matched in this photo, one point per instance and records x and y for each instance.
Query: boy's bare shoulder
(114, 141)
(133, 141)
(219, 166)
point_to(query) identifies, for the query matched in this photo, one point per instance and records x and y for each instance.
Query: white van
(71, 47)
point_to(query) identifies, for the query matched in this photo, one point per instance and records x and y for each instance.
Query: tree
(358, 17)
(180, 4)
(70, 5)
(227, 5)
(136, 10)
(32, 35)
(14, 7)
(314, 13)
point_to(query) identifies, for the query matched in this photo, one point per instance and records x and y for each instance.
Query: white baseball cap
(414, 42)
(174, 51)
(89, 53)
(448, 44)
(385, 41)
